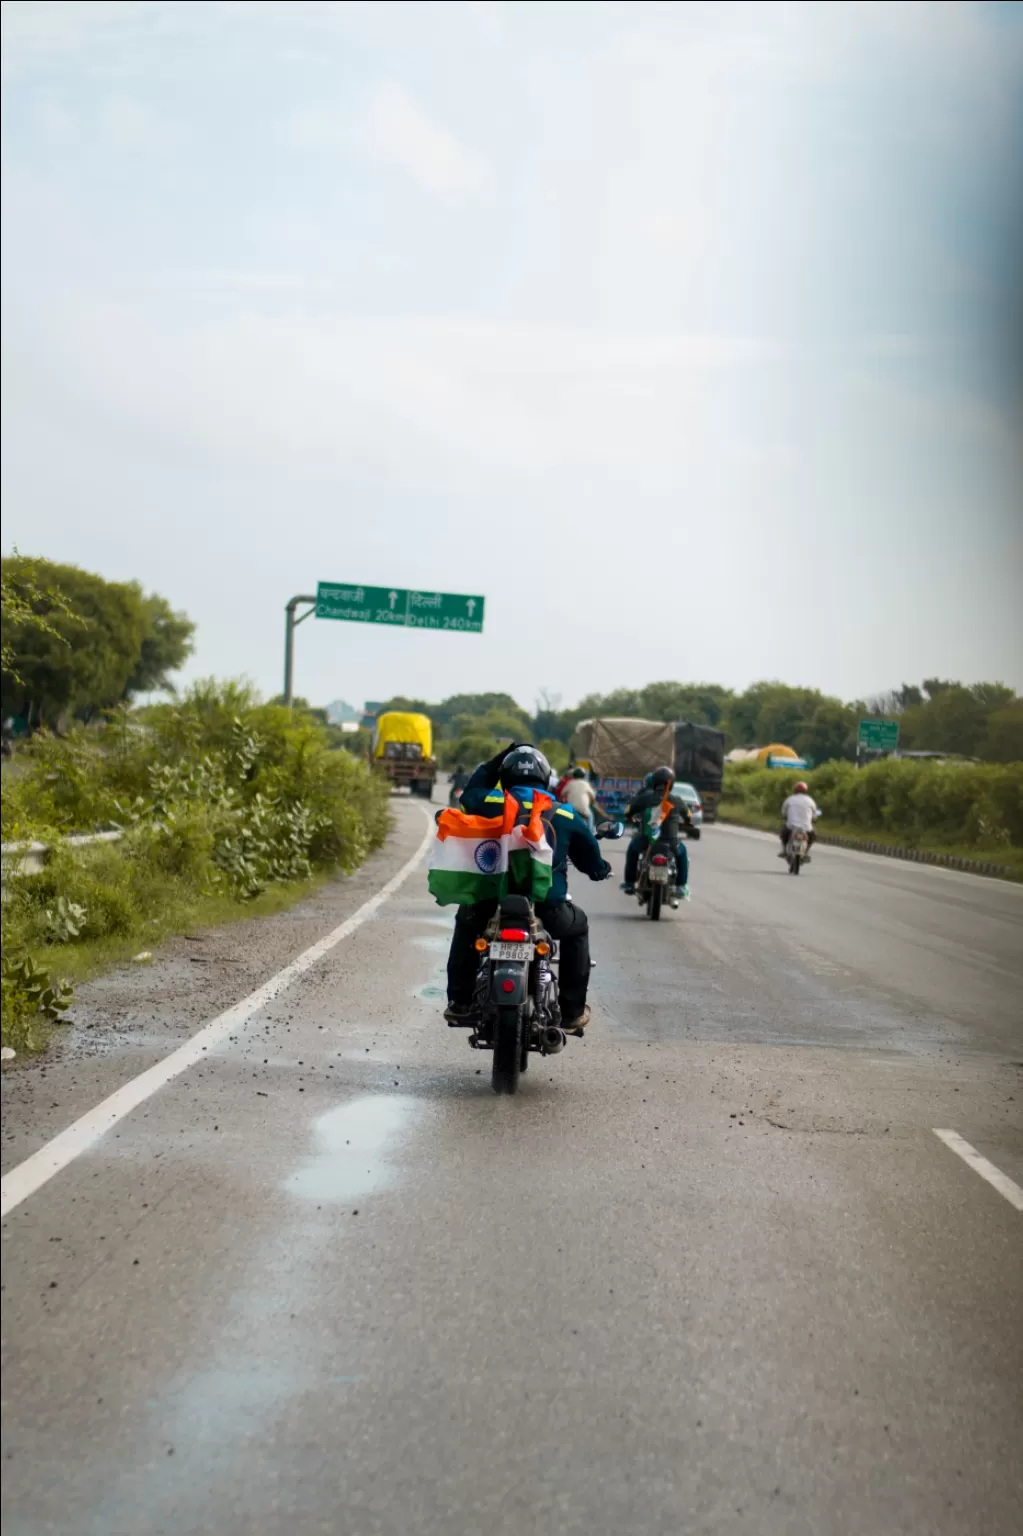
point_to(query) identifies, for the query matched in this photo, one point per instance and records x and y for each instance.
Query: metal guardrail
(32, 858)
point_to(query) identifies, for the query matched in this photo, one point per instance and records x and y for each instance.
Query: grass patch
(1011, 858)
(81, 962)
(28, 1032)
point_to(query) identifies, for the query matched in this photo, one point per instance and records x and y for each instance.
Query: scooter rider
(799, 811)
(644, 809)
(522, 770)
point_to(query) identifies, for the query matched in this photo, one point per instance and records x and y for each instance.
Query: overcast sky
(685, 333)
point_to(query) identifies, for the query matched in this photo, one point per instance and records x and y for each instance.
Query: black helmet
(525, 765)
(578, 773)
(662, 778)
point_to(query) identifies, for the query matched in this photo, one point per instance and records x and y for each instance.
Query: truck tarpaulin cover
(624, 749)
(399, 727)
(699, 754)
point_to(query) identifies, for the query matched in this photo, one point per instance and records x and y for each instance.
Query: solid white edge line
(38, 1169)
(994, 1176)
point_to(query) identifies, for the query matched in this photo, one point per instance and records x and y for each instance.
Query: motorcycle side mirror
(611, 830)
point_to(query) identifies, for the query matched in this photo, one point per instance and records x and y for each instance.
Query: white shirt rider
(800, 811)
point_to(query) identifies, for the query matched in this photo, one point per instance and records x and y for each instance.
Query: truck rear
(619, 753)
(699, 757)
(403, 752)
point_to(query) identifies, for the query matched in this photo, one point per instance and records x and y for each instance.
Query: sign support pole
(291, 623)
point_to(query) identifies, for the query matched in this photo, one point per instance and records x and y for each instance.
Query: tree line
(983, 720)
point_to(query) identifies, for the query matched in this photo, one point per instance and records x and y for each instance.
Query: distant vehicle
(403, 752)
(687, 793)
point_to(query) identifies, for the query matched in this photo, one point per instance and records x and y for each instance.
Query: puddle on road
(437, 946)
(352, 1145)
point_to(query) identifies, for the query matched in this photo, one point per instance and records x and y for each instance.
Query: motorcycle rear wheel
(794, 865)
(656, 897)
(507, 1049)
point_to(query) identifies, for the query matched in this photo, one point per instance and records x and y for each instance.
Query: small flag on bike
(480, 858)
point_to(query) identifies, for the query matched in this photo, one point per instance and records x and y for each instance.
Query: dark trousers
(563, 920)
(786, 833)
(641, 841)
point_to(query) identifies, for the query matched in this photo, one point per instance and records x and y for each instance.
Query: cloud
(395, 130)
(436, 403)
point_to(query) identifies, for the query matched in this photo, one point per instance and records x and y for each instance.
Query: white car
(687, 793)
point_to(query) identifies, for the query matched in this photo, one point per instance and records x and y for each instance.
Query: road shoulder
(130, 1018)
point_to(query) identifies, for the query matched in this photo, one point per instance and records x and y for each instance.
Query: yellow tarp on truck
(399, 729)
(403, 751)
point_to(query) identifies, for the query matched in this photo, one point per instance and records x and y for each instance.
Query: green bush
(216, 796)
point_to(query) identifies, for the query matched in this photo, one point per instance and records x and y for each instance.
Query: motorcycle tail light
(516, 935)
(657, 859)
(507, 986)
(481, 946)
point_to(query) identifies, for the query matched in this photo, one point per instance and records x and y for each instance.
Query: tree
(166, 645)
(952, 720)
(829, 733)
(23, 609)
(82, 648)
(1003, 742)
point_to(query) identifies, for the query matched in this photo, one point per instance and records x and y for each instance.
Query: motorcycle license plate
(511, 951)
(658, 875)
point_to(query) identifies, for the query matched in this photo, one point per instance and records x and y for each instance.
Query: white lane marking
(38, 1169)
(995, 1177)
(988, 881)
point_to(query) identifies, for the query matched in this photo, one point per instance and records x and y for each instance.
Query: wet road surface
(711, 1270)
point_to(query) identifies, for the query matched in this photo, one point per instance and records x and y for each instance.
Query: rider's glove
(495, 764)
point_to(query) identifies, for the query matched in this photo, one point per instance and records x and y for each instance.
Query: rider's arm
(583, 848)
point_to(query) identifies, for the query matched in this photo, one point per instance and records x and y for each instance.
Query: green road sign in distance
(878, 735)
(399, 605)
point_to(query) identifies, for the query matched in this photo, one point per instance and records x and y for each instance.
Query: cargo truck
(403, 751)
(620, 752)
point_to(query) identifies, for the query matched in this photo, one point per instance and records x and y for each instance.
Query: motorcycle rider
(581, 795)
(459, 779)
(800, 811)
(522, 770)
(657, 789)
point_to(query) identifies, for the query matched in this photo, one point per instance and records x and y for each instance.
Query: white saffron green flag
(480, 858)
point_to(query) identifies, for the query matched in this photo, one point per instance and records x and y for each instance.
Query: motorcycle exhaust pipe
(552, 1040)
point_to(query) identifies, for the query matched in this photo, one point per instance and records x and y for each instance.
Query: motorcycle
(655, 879)
(797, 850)
(515, 1000)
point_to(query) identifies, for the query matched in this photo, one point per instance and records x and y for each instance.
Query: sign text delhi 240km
(400, 605)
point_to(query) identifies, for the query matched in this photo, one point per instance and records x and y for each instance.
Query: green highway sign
(403, 606)
(878, 735)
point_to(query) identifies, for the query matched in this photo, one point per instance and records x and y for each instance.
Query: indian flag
(480, 858)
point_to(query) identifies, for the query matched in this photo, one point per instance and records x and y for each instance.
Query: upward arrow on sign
(471, 605)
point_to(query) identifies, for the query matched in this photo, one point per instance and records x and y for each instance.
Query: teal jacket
(573, 839)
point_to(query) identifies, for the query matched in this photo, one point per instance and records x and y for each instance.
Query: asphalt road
(710, 1271)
